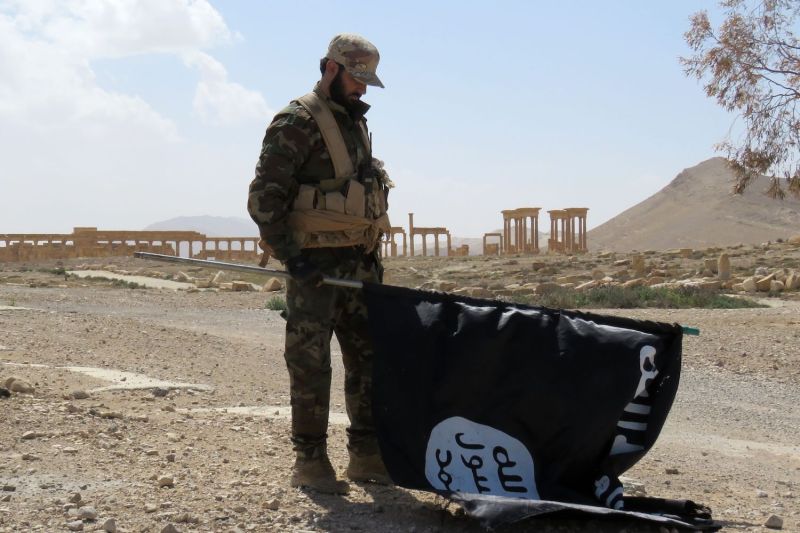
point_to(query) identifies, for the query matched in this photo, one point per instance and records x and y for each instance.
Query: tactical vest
(348, 210)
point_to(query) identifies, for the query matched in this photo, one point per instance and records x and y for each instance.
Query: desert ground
(167, 410)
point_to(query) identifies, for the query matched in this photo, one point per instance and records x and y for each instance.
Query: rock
(445, 286)
(166, 481)
(204, 283)
(774, 522)
(5, 498)
(761, 493)
(110, 526)
(547, 287)
(792, 281)
(170, 457)
(182, 277)
(561, 280)
(5, 393)
(763, 284)
(704, 285)
(87, 513)
(672, 471)
(475, 292)
(29, 435)
(776, 286)
(9, 488)
(227, 286)
(272, 505)
(170, 528)
(240, 509)
(241, 286)
(749, 285)
(79, 394)
(272, 285)
(724, 267)
(794, 240)
(598, 274)
(15, 384)
(160, 392)
(74, 497)
(636, 282)
(637, 265)
(710, 265)
(655, 280)
(77, 525)
(29, 457)
(186, 518)
(586, 286)
(761, 272)
(218, 279)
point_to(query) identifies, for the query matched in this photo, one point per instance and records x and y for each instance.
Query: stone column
(411, 231)
(448, 244)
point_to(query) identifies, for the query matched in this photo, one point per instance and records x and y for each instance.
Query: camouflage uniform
(293, 153)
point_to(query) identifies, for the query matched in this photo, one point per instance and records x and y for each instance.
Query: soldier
(319, 199)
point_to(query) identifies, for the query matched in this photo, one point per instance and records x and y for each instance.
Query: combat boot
(317, 473)
(368, 469)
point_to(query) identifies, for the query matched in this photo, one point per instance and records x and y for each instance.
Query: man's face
(346, 90)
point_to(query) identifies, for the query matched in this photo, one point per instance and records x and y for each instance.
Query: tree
(751, 66)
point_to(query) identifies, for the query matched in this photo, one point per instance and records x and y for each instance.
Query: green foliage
(750, 64)
(637, 297)
(276, 303)
(119, 283)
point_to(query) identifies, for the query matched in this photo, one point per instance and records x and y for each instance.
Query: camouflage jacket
(294, 153)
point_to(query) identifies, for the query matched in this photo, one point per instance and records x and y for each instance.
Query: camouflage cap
(358, 55)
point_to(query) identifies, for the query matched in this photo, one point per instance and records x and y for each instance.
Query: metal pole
(353, 284)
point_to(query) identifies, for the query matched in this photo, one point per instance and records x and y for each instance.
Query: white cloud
(117, 28)
(219, 101)
(78, 153)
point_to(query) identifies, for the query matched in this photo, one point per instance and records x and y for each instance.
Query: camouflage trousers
(313, 315)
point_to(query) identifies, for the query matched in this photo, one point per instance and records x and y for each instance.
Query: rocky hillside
(698, 210)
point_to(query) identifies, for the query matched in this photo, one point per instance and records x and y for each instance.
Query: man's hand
(304, 271)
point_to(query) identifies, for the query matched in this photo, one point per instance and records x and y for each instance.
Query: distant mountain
(209, 225)
(697, 210)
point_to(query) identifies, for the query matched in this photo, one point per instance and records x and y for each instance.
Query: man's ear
(331, 68)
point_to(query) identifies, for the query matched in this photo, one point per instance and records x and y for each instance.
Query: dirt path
(732, 436)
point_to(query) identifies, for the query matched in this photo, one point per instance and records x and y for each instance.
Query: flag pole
(337, 282)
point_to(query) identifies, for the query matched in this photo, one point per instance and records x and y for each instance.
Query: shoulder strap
(331, 134)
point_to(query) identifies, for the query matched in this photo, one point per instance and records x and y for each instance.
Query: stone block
(763, 284)
(272, 285)
(792, 281)
(724, 267)
(750, 285)
(636, 282)
(241, 286)
(776, 286)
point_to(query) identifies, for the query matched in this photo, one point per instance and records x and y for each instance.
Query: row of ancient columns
(521, 230)
(568, 230)
(88, 242)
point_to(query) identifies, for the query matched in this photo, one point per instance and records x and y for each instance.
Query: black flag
(512, 403)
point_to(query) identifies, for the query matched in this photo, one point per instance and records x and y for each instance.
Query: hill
(209, 225)
(697, 210)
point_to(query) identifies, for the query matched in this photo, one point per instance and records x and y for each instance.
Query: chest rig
(347, 210)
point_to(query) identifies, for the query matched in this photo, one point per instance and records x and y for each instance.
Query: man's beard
(338, 95)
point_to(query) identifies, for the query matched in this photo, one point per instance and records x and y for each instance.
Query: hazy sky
(120, 113)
